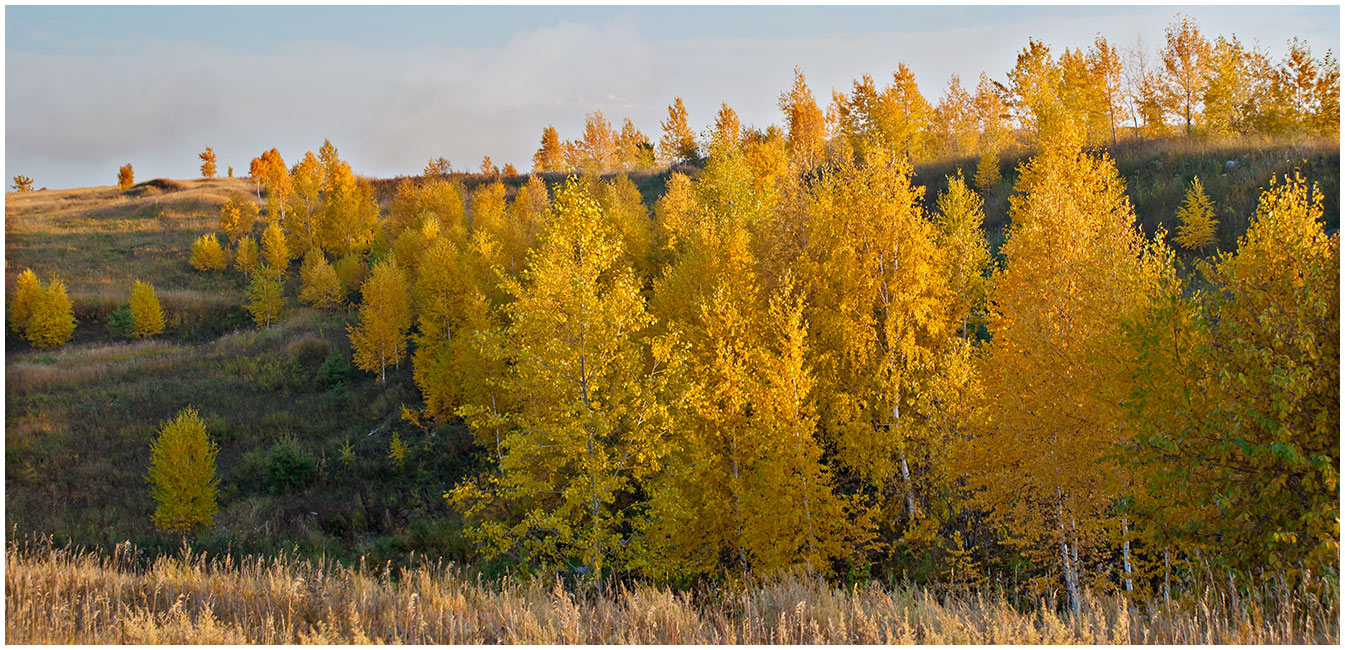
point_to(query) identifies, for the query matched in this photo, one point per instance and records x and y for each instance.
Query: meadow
(68, 596)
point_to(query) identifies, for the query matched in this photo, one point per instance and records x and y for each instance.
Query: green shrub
(288, 469)
(121, 323)
(335, 370)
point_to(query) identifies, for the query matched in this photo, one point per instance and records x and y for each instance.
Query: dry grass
(63, 596)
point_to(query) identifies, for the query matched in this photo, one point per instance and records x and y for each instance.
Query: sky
(88, 89)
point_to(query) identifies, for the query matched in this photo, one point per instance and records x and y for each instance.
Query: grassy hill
(79, 420)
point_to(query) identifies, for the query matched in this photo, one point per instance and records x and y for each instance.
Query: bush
(288, 469)
(121, 323)
(335, 370)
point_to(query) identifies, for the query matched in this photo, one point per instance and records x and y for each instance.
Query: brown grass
(55, 595)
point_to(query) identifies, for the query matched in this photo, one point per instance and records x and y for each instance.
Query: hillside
(79, 420)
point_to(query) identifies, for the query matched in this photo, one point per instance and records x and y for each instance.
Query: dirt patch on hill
(156, 186)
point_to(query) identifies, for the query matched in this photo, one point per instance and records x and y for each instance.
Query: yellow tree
(275, 252)
(489, 168)
(600, 144)
(385, 315)
(1034, 90)
(588, 426)
(959, 217)
(954, 126)
(992, 115)
(125, 177)
(22, 183)
(182, 474)
(524, 223)
(805, 125)
(27, 291)
(679, 141)
(1104, 64)
(266, 296)
(207, 162)
(271, 174)
(625, 210)
(145, 310)
(879, 291)
(987, 172)
(549, 157)
(635, 149)
(301, 222)
(1197, 228)
(320, 285)
(245, 255)
(350, 213)
(51, 319)
(437, 199)
(1054, 373)
(1185, 61)
(206, 253)
(237, 216)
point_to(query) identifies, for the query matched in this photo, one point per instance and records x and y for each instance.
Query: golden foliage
(1197, 228)
(321, 287)
(182, 474)
(22, 183)
(265, 296)
(125, 177)
(385, 315)
(145, 310)
(207, 254)
(207, 163)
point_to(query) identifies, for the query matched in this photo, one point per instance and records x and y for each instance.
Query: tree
(182, 474)
(1236, 407)
(549, 157)
(1197, 227)
(1034, 90)
(437, 168)
(634, 150)
(679, 141)
(1228, 88)
(954, 121)
(275, 252)
(588, 425)
(350, 214)
(51, 319)
(992, 115)
(271, 174)
(959, 217)
(245, 255)
(237, 216)
(600, 144)
(509, 170)
(207, 162)
(27, 291)
(265, 296)
(302, 222)
(488, 168)
(22, 183)
(1104, 63)
(1185, 60)
(1054, 373)
(987, 172)
(125, 177)
(385, 316)
(320, 285)
(206, 253)
(727, 128)
(145, 310)
(805, 125)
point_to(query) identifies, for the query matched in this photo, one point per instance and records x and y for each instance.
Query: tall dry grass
(55, 595)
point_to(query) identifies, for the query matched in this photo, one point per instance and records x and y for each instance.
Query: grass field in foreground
(55, 595)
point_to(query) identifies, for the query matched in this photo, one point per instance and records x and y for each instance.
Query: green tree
(182, 474)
